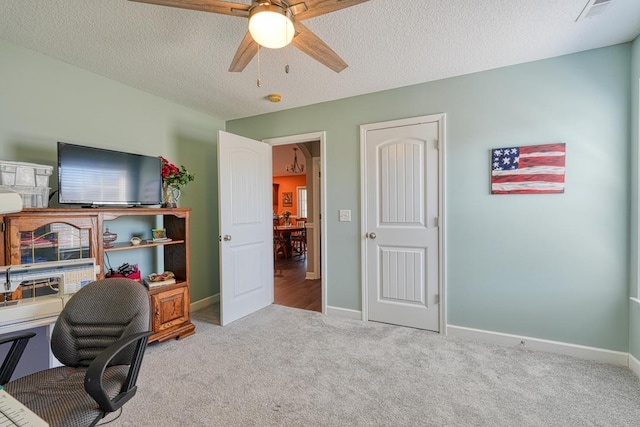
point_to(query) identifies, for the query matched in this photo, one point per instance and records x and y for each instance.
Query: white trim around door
(439, 119)
(319, 225)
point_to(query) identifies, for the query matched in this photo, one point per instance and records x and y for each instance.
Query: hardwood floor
(292, 289)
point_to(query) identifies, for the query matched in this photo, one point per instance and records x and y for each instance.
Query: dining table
(284, 231)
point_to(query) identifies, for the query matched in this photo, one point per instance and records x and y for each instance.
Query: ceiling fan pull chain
(286, 67)
(287, 49)
(258, 81)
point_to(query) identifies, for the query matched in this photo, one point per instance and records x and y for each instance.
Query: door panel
(401, 250)
(246, 245)
(405, 275)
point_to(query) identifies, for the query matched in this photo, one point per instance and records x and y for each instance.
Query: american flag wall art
(532, 169)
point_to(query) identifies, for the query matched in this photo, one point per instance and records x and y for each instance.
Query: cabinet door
(170, 309)
(40, 239)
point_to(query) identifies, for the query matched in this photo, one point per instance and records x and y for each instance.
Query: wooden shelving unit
(170, 305)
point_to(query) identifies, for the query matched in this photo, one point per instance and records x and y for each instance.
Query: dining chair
(299, 239)
(279, 244)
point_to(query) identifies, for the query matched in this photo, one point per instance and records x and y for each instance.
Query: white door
(400, 219)
(246, 226)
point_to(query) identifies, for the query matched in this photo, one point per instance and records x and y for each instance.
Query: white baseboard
(634, 364)
(575, 350)
(204, 302)
(344, 312)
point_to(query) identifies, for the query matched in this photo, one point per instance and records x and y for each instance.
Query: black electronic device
(92, 176)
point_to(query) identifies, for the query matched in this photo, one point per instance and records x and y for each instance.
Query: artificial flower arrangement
(174, 176)
(173, 179)
(286, 215)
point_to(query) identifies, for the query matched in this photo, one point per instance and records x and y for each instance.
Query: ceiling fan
(287, 14)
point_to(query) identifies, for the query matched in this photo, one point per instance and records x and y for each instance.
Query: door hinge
(437, 144)
(437, 298)
(436, 222)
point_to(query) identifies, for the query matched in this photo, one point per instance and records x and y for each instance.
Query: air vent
(593, 9)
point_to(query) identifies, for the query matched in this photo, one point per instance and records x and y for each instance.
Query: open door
(246, 226)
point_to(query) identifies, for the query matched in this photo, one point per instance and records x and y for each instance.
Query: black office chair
(100, 337)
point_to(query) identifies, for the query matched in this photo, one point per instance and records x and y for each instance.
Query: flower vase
(170, 195)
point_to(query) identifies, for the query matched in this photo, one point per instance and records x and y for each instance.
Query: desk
(285, 233)
(39, 315)
(14, 413)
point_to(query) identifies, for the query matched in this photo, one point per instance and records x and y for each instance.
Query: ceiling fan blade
(245, 53)
(213, 6)
(312, 45)
(321, 7)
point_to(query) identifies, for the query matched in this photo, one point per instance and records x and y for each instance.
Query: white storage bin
(32, 197)
(24, 174)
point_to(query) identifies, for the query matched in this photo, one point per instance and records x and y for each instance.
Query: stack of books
(155, 280)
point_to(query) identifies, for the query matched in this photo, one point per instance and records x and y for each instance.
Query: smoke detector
(594, 8)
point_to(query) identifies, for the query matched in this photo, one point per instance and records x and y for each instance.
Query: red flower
(174, 176)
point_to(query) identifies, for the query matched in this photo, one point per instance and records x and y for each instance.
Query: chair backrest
(97, 316)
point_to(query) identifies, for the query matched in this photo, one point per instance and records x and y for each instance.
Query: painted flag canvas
(532, 169)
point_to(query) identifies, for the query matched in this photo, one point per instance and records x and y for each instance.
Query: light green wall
(634, 317)
(43, 101)
(547, 266)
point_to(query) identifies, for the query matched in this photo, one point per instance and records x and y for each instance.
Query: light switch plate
(345, 215)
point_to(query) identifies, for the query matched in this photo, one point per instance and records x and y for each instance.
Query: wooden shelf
(124, 246)
(40, 245)
(159, 289)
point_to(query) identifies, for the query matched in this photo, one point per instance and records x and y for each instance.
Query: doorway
(298, 275)
(402, 168)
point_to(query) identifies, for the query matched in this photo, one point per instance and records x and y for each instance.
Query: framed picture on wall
(287, 199)
(530, 169)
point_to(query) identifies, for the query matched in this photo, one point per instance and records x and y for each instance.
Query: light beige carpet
(283, 366)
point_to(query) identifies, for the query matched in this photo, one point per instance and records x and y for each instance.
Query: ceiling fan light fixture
(270, 26)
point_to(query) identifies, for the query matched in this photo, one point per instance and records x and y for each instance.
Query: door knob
(226, 237)
(372, 235)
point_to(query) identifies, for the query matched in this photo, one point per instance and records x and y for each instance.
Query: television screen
(98, 177)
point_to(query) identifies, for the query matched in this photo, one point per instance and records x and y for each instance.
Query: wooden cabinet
(170, 311)
(36, 235)
(31, 239)
(40, 238)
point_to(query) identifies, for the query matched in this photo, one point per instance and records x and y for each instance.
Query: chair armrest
(12, 358)
(93, 378)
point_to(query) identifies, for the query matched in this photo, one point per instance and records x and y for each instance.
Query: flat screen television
(97, 177)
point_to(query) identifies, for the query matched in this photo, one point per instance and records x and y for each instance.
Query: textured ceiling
(184, 55)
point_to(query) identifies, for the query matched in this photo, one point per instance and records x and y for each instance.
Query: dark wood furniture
(284, 233)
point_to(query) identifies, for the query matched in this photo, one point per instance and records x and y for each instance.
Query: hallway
(292, 289)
